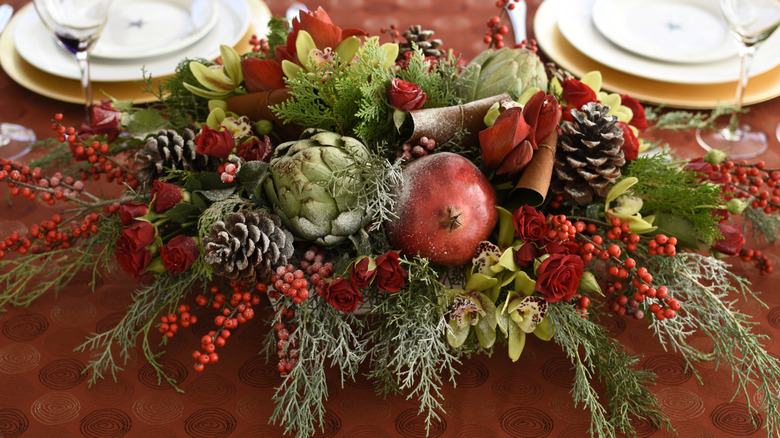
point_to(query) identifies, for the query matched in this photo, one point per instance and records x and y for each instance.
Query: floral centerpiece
(396, 205)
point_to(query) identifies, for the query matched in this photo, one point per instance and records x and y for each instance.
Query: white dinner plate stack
(141, 37)
(676, 52)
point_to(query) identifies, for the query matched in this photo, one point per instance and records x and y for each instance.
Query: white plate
(144, 28)
(684, 31)
(36, 45)
(575, 23)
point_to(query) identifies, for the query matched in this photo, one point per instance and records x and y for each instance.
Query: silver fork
(6, 11)
(517, 18)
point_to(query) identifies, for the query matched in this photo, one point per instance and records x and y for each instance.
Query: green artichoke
(504, 70)
(312, 203)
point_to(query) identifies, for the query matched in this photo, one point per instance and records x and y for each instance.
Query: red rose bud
(389, 273)
(543, 113)
(360, 274)
(262, 74)
(732, 240)
(131, 210)
(630, 146)
(526, 254)
(256, 149)
(558, 277)
(576, 94)
(405, 96)
(179, 254)
(343, 295)
(639, 121)
(501, 139)
(215, 143)
(165, 196)
(105, 121)
(530, 224)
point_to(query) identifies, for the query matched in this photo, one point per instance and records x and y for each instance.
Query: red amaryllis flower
(322, 30)
(262, 74)
(406, 96)
(576, 94)
(543, 113)
(179, 254)
(558, 277)
(215, 143)
(630, 146)
(165, 195)
(732, 240)
(503, 138)
(639, 121)
(389, 273)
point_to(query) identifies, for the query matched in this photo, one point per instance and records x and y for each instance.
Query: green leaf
(183, 212)
(506, 228)
(252, 175)
(681, 228)
(146, 122)
(588, 283)
(217, 195)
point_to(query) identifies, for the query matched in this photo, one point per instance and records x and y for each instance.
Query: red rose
(732, 240)
(576, 94)
(530, 224)
(165, 196)
(360, 274)
(131, 210)
(639, 121)
(558, 277)
(131, 248)
(389, 273)
(215, 143)
(105, 121)
(405, 96)
(256, 149)
(343, 295)
(138, 235)
(562, 247)
(630, 146)
(526, 254)
(179, 254)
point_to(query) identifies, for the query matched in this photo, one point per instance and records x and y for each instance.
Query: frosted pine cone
(589, 156)
(248, 246)
(169, 150)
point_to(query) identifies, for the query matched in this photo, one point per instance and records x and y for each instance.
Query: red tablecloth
(43, 392)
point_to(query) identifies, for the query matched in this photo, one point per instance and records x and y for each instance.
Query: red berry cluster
(260, 45)
(316, 268)
(290, 282)
(393, 31)
(286, 342)
(228, 171)
(424, 147)
(169, 324)
(96, 154)
(494, 36)
(763, 263)
(754, 183)
(237, 310)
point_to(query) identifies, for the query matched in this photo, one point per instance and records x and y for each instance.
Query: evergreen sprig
(326, 337)
(709, 293)
(659, 118)
(594, 354)
(764, 226)
(409, 351)
(666, 187)
(174, 102)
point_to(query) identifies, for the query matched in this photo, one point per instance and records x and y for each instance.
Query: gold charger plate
(760, 88)
(69, 90)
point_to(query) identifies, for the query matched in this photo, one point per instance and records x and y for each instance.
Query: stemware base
(748, 143)
(15, 140)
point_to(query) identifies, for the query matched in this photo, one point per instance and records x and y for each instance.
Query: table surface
(43, 392)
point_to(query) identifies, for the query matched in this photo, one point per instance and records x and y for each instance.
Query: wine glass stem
(746, 53)
(86, 85)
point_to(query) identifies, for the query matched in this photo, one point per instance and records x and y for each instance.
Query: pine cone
(589, 155)
(248, 246)
(169, 150)
(553, 71)
(422, 38)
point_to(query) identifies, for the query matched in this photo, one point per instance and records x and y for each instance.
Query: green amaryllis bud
(312, 203)
(501, 71)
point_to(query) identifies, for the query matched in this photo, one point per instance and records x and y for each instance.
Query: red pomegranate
(445, 207)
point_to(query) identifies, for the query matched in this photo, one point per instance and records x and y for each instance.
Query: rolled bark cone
(535, 181)
(257, 106)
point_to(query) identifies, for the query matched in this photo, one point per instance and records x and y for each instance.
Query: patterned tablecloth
(43, 392)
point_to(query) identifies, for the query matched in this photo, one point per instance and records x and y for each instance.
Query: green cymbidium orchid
(312, 56)
(218, 81)
(470, 307)
(521, 315)
(628, 207)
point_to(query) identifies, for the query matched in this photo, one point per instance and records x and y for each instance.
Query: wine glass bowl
(750, 23)
(76, 25)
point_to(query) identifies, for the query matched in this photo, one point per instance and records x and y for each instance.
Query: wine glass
(76, 24)
(750, 22)
(15, 140)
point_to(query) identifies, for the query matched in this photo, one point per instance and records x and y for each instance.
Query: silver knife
(517, 18)
(6, 11)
